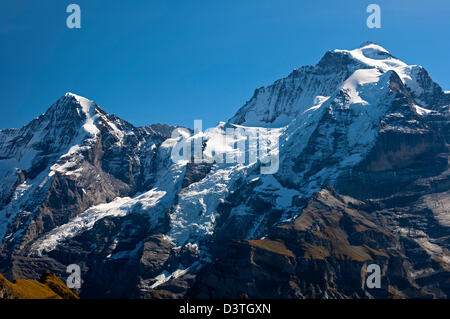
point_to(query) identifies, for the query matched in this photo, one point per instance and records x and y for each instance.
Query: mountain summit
(363, 143)
(309, 86)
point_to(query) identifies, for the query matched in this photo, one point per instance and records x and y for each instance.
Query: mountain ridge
(361, 134)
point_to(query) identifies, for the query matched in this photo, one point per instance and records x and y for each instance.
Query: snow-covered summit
(80, 184)
(280, 103)
(70, 101)
(87, 105)
(372, 51)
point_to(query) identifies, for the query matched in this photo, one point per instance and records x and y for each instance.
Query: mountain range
(363, 178)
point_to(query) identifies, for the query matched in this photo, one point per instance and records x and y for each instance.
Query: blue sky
(173, 61)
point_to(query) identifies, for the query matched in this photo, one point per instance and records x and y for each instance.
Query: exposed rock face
(363, 178)
(323, 253)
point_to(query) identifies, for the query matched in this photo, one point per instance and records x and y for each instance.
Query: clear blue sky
(173, 61)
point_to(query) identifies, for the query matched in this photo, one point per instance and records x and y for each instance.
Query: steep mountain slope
(309, 86)
(323, 253)
(71, 158)
(83, 187)
(49, 287)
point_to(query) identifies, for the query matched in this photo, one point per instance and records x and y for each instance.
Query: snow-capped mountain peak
(75, 108)
(87, 106)
(373, 55)
(278, 104)
(83, 185)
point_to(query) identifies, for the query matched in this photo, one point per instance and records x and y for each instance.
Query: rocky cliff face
(363, 178)
(323, 253)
